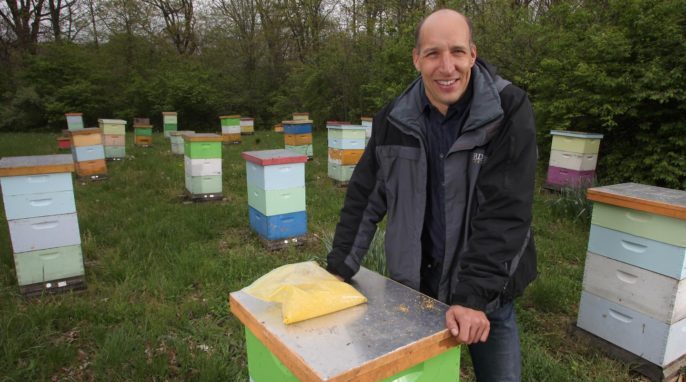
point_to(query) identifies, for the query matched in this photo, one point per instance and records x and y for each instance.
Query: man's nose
(446, 64)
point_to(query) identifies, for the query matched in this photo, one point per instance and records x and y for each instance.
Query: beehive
(142, 135)
(296, 135)
(176, 138)
(346, 145)
(634, 288)
(169, 122)
(573, 158)
(74, 121)
(113, 137)
(276, 194)
(88, 153)
(203, 166)
(38, 195)
(231, 128)
(247, 126)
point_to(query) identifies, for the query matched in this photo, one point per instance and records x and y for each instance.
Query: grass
(159, 273)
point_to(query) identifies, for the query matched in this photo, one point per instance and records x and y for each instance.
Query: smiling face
(444, 56)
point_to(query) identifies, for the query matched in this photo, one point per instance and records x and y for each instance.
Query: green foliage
(618, 69)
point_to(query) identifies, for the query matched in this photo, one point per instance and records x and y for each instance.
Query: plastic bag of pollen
(305, 290)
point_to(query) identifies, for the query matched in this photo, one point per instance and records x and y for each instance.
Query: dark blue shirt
(440, 134)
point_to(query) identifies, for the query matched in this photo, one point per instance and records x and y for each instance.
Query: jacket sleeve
(363, 208)
(500, 225)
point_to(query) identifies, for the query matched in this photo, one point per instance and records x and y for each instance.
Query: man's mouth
(446, 82)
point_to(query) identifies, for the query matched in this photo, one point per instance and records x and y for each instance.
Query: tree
(23, 19)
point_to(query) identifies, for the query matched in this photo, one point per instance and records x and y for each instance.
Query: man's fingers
(451, 323)
(484, 335)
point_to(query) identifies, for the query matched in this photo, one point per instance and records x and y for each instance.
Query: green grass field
(159, 272)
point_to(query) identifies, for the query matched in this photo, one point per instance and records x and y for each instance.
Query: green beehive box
(302, 149)
(198, 185)
(143, 131)
(575, 142)
(48, 264)
(202, 149)
(230, 120)
(264, 366)
(341, 173)
(347, 132)
(278, 201)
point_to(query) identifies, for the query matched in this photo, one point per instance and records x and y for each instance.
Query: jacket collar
(485, 107)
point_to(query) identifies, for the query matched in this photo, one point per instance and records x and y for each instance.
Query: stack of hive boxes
(74, 121)
(113, 137)
(278, 128)
(203, 166)
(367, 123)
(276, 196)
(247, 126)
(176, 138)
(573, 157)
(142, 132)
(88, 153)
(231, 128)
(634, 288)
(346, 145)
(38, 194)
(170, 122)
(298, 137)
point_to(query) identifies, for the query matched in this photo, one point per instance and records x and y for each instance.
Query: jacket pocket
(397, 163)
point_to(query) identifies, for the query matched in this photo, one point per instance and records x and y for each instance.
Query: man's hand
(468, 326)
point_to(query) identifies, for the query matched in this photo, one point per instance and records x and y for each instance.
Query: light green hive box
(347, 133)
(143, 131)
(576, 142)
(644, 224)
(276, 202)
(202, 150)
(197, 185)
(230, 120)
(48, 264)
(341, 173)
(115, 151)
(263, 366)
(302, 149)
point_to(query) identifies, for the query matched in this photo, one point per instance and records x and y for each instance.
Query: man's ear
(415, 58)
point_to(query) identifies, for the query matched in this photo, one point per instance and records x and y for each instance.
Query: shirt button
(440, 156)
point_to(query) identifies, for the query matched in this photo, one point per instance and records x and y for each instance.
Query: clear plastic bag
(305, 290)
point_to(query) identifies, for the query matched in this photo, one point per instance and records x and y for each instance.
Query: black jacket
(489, 183)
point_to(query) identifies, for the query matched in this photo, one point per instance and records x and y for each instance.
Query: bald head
(442, 16)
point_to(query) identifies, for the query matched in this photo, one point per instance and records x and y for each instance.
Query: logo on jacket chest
(479, 158)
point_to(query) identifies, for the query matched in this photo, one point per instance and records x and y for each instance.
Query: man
(451, 162)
